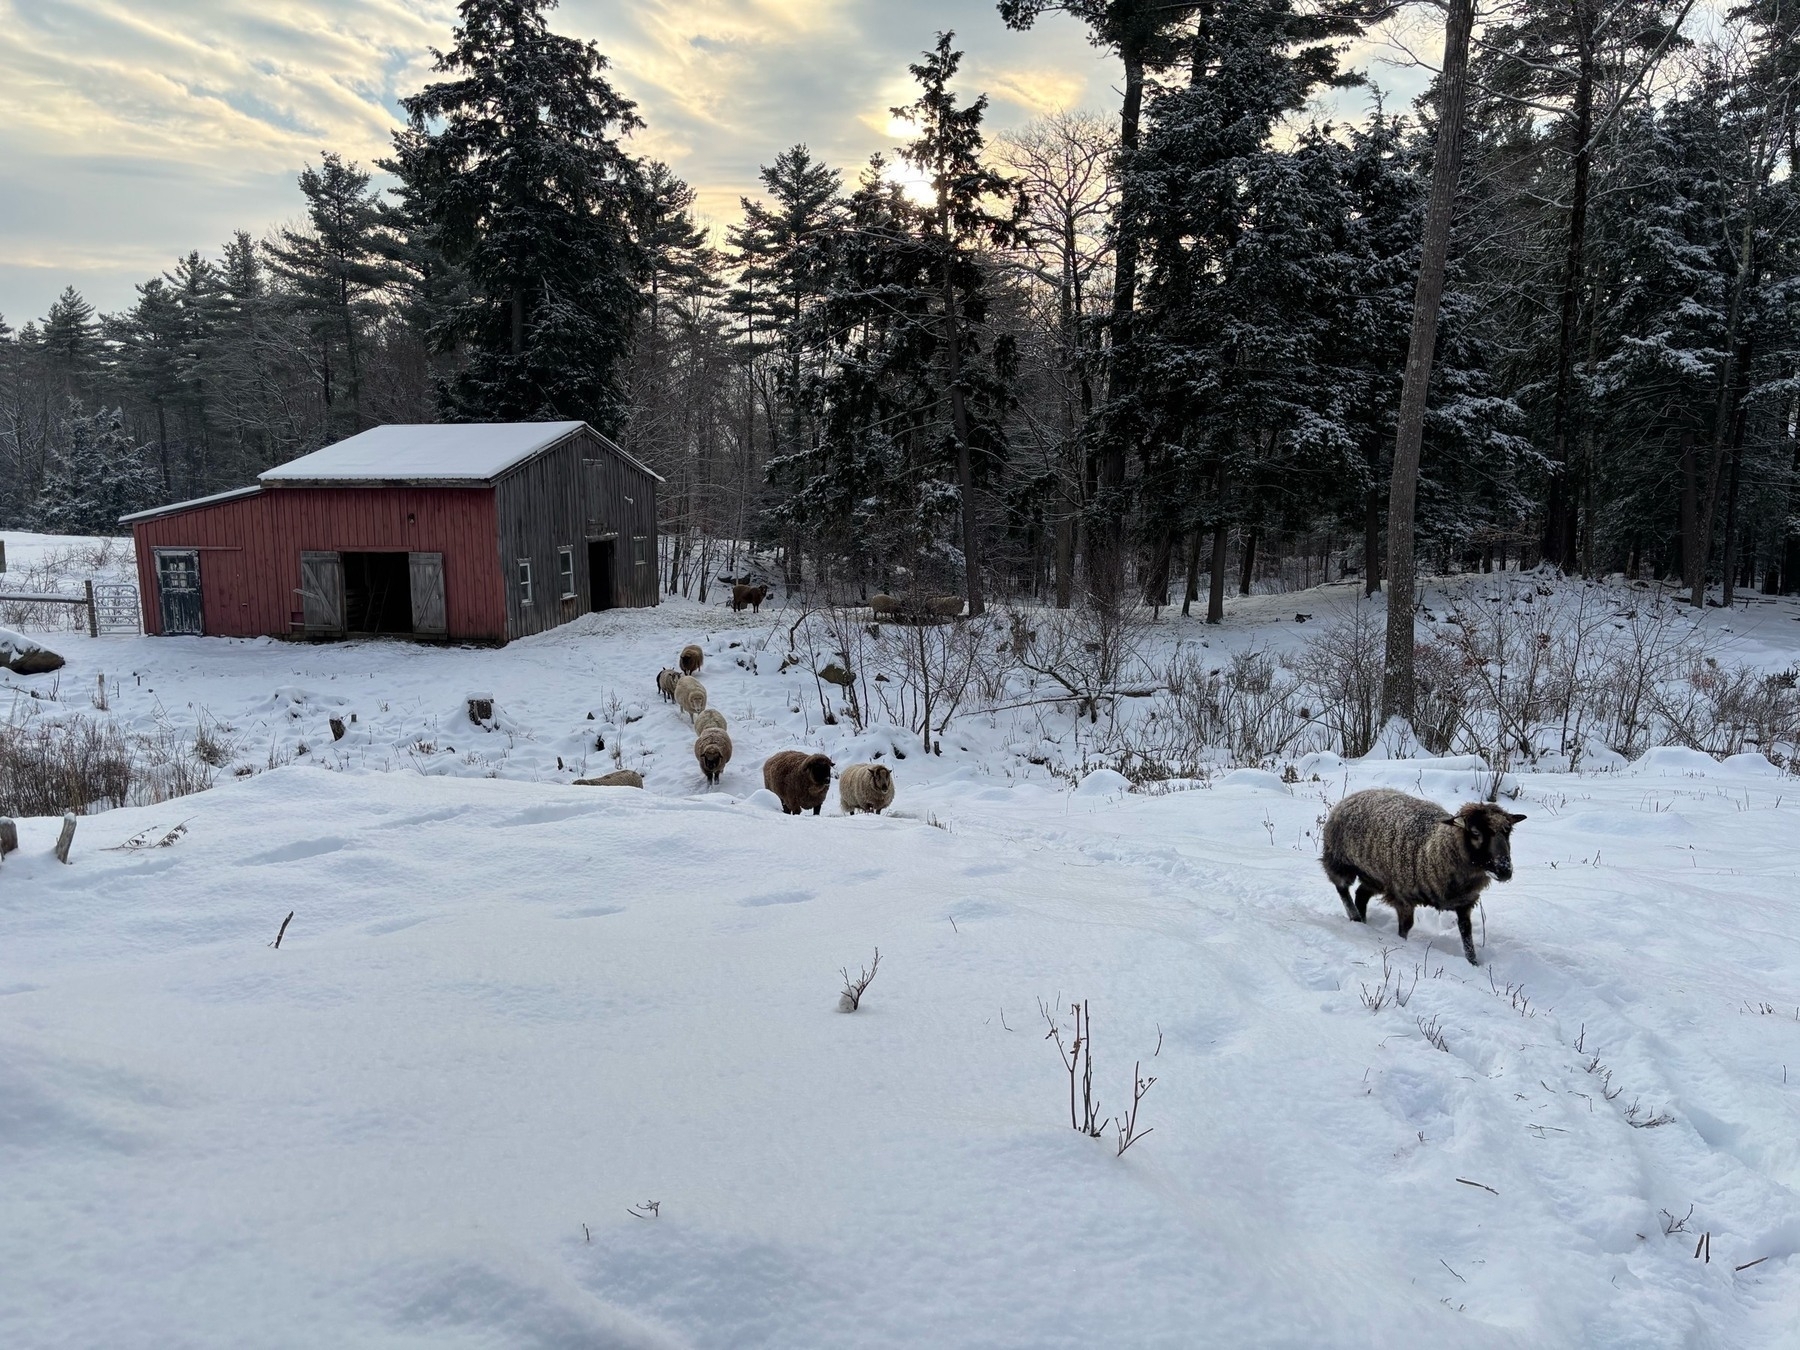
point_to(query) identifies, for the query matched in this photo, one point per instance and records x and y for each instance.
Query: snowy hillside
(546, 1065)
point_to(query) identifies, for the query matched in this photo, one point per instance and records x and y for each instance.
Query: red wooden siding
(250, 552)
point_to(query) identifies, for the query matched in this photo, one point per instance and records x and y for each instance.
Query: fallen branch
(1482, 1184)
(276, 944)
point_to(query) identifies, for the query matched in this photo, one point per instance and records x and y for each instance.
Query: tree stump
(9, 836)
(66, 839)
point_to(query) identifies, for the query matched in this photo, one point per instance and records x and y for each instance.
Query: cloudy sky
(134, 130)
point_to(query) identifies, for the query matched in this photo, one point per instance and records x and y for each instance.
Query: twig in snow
(585, 1234)
(650, 1209)
(276, 944)
(1673, 1225)
(1759, 1260)
(1482, 1184)
(851, 999)
(1129, 1133)
(1446, 1265)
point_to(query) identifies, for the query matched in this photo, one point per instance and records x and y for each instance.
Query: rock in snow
(23, 656)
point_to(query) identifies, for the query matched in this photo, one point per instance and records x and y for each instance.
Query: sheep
(666, 680)
(752, 596)
(710, 717)
(617, 778)
(712, 747)
(945, 606)
(799, 779)
(866, 787)
(692, 658)
(690, 695)
(884, 605)
(1411, 853)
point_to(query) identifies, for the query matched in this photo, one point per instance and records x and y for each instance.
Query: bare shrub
(924, 672)
(1342, 670)
(51, 765)
(1253, 707)
(1088, 651)
(61, 571)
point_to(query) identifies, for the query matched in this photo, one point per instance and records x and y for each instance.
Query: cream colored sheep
(690, 696)
(711, 717)
(617, 778)
(865, 787)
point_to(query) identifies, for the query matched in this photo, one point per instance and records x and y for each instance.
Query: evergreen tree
(96, 476)
(336, 271)
(956, 228)
(515, 165)
(149, 338)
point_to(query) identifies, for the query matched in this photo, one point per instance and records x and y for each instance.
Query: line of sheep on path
(799, 778)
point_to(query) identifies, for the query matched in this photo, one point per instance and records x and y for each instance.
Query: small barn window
(524, 581)
(640, 550)
(565, 570)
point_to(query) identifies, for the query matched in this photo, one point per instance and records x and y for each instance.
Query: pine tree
(336, 271)
(956, 228)
(515, 166)
(97, 475)
(149, 338)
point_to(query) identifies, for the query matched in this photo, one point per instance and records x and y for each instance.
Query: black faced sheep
(692, 658)
(712, 748)
(1410, 852)
(866, 787)
(799, 779)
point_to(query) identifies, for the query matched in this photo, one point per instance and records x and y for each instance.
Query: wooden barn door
(322, 592)
(428, 610)
(178, 590)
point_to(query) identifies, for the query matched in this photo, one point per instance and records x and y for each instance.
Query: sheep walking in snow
(690, 696)
(753, 596)
(617, 778)
(712, 748)
(692, 658)
(1409, 852)
(799, 779)
(709, 718)
(884, 605)
(866, 787)
(666, 680)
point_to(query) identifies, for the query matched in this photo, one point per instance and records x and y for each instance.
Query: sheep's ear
(1512, 819)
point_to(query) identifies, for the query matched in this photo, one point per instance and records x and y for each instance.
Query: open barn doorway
(377, 593)
(602, 554)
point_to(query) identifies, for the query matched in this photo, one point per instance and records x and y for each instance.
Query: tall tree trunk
(1397, 680)
(1109, 569)
(1372, 541)
(1215, 590)
(1247, 573)
(1192, 593)
(959, 417)
(1729, 567)
(1693, 558)
(1560, 520)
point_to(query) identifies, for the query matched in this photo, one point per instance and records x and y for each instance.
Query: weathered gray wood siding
(580, 489)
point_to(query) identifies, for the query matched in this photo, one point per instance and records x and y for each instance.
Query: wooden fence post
(93, 614)
(67, 838)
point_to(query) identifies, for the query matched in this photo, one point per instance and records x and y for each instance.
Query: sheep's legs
(1467, 930)
(1365, 893)
(1349, 904)
(1405, 911)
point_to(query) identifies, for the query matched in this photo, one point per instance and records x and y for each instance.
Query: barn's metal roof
(428, 452)
(192, 504)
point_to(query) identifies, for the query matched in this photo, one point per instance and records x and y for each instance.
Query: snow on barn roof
(432, 452)
(191, 504)
(456, 452)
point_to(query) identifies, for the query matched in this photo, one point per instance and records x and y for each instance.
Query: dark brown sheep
(800, 779)
(692, 658)
(1410, 852)
(752, 596)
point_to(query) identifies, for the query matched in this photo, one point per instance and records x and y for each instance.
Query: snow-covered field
(511, 1016)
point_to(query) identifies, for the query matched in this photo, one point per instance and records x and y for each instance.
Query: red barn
(480, 532)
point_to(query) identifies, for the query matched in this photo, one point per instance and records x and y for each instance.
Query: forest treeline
(1155, 353)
